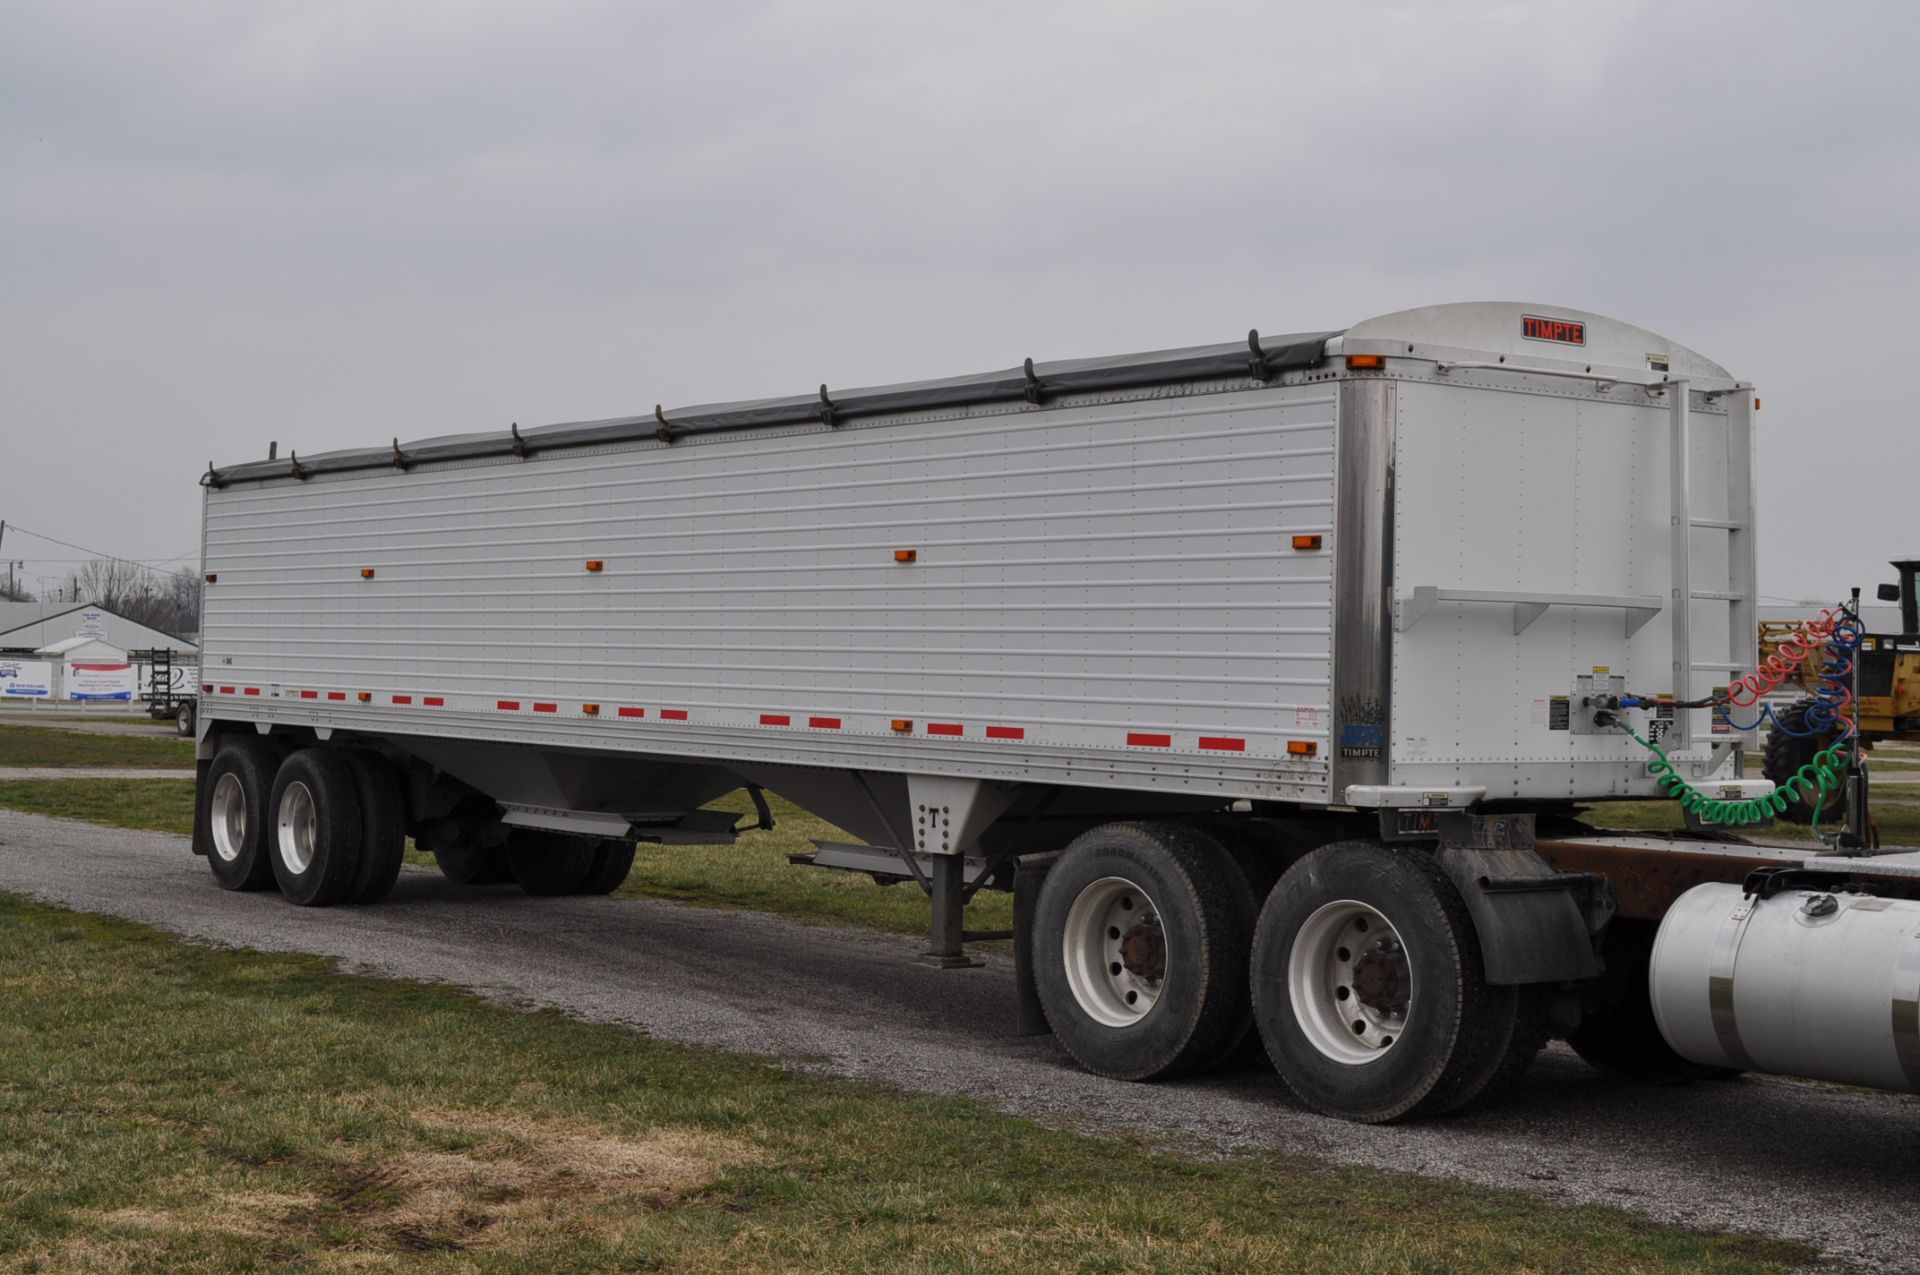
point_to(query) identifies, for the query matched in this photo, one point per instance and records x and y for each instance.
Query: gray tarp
(1068, 376)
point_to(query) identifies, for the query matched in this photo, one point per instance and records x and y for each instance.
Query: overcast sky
(328, 223)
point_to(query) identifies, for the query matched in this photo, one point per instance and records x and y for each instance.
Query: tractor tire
(1787, 753)
(1623, 1039)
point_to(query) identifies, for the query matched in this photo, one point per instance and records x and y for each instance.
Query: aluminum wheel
(229, 822)
(1350, 982)
(298, 827)
(1115, 952)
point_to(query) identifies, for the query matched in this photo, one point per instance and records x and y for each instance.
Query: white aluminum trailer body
(1325, 584)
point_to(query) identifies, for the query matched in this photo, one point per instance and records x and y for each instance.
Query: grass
(166, 1105)
(47, 746)
(156, 805)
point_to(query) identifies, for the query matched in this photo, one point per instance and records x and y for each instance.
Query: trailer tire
(183, 719)
(1186, 917)
(1360, 944)
(612, 861)
(316, 828)
(550, 863)
(474, 863)
(1786, 753)
(238, 787)
(383, 827)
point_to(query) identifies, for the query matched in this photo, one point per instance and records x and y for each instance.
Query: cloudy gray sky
(330, 223)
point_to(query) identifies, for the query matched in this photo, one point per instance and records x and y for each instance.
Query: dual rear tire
(1156, 948)
(327, 826)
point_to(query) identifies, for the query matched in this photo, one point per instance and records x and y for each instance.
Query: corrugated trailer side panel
(1106, 592)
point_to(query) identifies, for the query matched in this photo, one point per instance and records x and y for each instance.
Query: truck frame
(1271, 676)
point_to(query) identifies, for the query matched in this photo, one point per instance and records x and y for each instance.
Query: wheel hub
(1376, 980)
(1351, 982)
(1115, 951)
(1143, 951)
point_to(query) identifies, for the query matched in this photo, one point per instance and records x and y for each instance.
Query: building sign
(26, 677)
(99, 681)
(182, 679)
(93, 624)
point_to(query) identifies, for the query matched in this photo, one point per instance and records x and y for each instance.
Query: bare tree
(168, 601)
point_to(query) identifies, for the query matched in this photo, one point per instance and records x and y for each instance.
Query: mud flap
(1533, 922)
(202, 837)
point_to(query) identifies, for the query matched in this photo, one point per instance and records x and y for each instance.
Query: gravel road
(1836, 1168)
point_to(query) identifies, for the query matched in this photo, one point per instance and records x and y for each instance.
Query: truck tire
(612, 861)
(238, 787)
(1369, 991)
(550, 863)
(1623, 1039)
(1140, 951)
(183, 719)
(316, 827)
(1787, 753)
(474, 863)
(383, 827)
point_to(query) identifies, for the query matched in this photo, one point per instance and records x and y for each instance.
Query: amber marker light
(1302, 747)
(1306, 542)
(906, 555)
(366, 697)
(1366, 360)
(594, 564)
(902, 724)
(591, 710)
(366, 573)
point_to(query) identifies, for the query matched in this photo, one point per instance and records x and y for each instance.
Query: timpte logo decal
(1565, 331)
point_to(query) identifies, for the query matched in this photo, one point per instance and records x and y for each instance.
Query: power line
(153, 565)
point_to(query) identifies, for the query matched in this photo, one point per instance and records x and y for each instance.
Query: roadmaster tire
(1786, 754)
(1339, 1044)
(1259, 866)
(236, 793)
(1182, 951)
(383, 827)
(1623, 1039)
(1524, 1013)
(316, 827)
(612, 861)
(550, 863)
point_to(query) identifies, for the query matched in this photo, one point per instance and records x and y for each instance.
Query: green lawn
(48, 746)
(165, 1105)
(1898, 818)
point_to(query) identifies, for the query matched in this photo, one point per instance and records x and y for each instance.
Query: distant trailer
(1255, 667)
